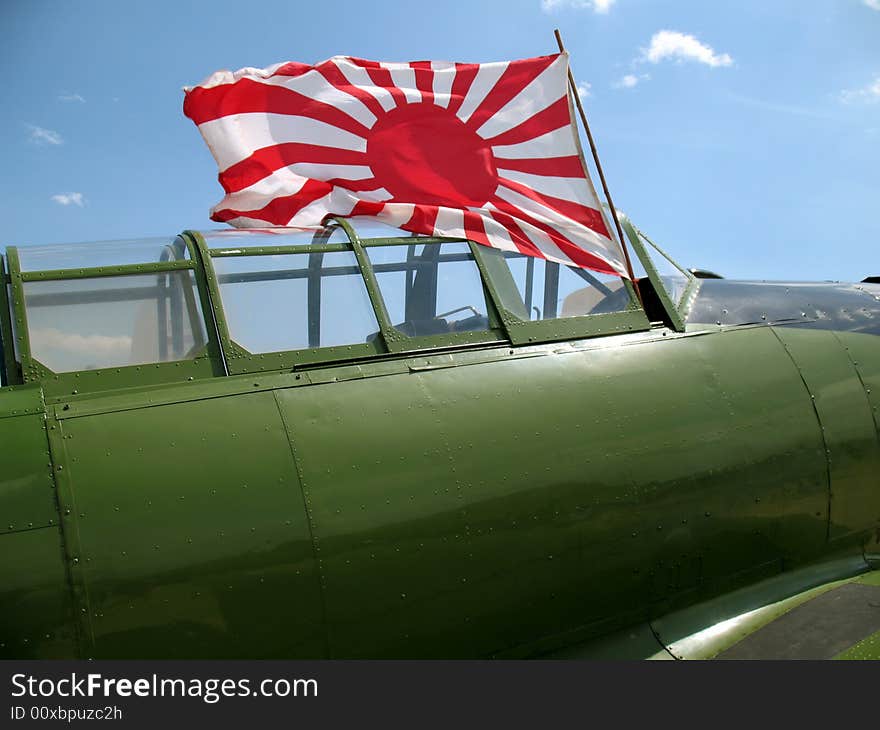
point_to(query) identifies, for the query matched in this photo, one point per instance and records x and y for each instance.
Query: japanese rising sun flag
(485, 151)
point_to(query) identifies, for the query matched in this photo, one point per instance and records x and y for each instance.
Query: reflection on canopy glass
(86, 324)
(101, 253)
(430, 289)
(541, 289)
(295, 301)
(259, 237)
(673, 279)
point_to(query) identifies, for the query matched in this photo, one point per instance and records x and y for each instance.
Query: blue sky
(742, 136)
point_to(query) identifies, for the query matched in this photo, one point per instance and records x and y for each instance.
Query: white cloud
(38, 135)
(584, 89)
(76, 199)
(71, 97)
(670, 44)
(869, 93)
(630, 80)
(873, 4)
(102, 345)
(598, 6)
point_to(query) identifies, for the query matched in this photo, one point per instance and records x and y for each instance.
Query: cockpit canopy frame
(413, 294)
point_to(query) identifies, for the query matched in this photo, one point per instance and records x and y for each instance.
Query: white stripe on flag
(244, 222)
(378, 195)
(321, 171)
(236, 137)
(315, 86)
(581, 236)
(496, 233)
(404, 78)
(537, 96)
(542, 241)
(450, 223)
(558, 143)
(280, 183)
(395, 214)
(336, 202)
(357, 76)
(573, 189)
(487, 76)
(444, 75)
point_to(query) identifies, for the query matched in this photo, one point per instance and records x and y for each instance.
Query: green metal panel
(140, 376)
(847, 425)
(21, 400)
(98, 272)
(465, 511)
(232, 252)
(27, 497)
(191, 534)
(30, 370)
(864, 351)
(36, 614)
(10, 371)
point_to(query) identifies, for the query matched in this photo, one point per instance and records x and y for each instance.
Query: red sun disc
(422, 153)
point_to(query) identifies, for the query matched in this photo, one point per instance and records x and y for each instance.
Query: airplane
(354, 442)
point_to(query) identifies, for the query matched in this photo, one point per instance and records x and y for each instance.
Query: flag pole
(577, 101)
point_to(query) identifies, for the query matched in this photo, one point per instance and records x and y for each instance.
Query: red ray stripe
(366, 207)
(515, 78)
(586, 216)
(292, 68)
(474, 228)
(577, 255)
(517, 235)
(465, 73)
(203, 105)
(381, 77)
(265, 161)
(279, 211)
(355, 186)
(423, 219)
(331, 72)
(424, 79)
(553, 117)
(569, 166)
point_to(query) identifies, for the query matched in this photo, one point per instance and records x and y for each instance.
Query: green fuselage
(502, 498)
